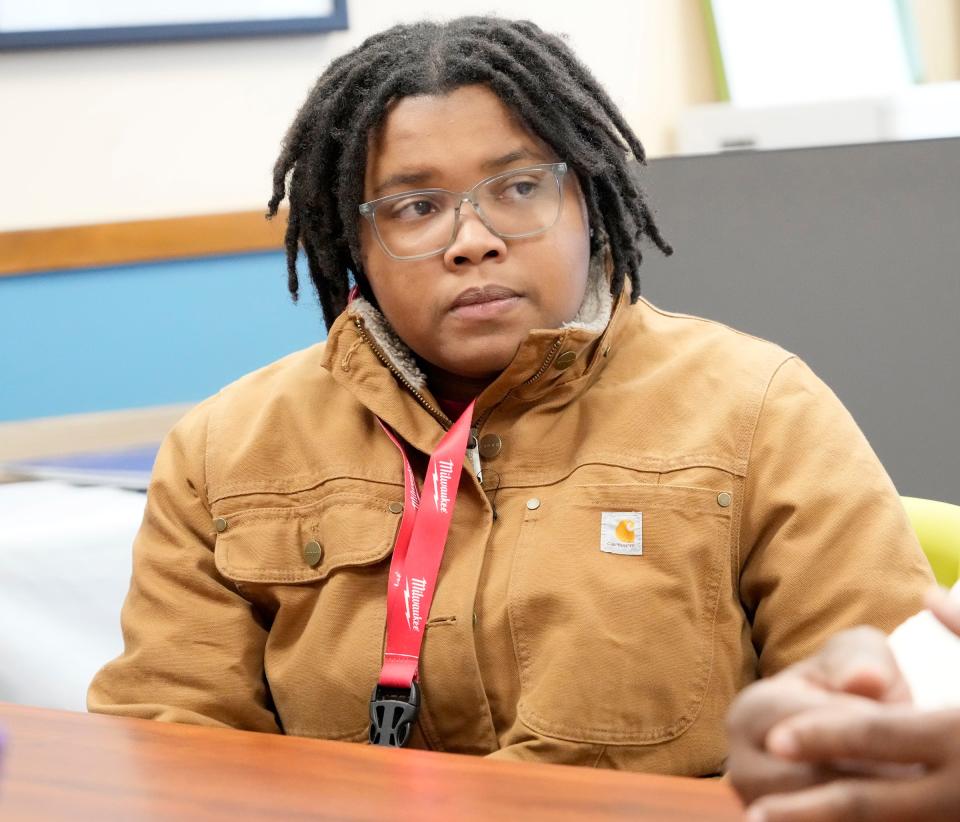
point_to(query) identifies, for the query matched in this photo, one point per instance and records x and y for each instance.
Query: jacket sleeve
(825, 543)
(193, 647)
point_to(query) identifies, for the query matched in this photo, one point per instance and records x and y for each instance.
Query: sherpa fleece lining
(593, 316)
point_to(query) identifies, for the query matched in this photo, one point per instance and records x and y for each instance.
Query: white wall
(120, 133)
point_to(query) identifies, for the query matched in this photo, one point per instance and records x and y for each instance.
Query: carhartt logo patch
(621, 532)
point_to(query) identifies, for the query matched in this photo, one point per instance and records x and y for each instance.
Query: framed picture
(773, 52)
(52, 23)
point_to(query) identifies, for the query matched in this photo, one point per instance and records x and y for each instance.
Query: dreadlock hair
(534, 73)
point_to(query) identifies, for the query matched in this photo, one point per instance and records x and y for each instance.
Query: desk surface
(61, 765)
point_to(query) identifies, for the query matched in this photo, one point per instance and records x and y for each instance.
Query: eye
(525, 188)
(520, 188)
(413, 208)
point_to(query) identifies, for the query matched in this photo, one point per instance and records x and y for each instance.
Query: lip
(485, 302)
(487, 294)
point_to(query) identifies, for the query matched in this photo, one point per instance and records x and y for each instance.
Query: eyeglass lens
(512, 205)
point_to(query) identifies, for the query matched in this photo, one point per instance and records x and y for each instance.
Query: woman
(652, 511)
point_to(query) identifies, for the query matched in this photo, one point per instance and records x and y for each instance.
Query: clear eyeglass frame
(369, 209)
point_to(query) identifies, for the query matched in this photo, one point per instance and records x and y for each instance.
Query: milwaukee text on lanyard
(413, 579)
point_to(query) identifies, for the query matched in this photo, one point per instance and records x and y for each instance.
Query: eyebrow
(407, 179)
(422, 176)
(507, 159)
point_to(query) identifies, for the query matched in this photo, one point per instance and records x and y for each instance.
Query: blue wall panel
(133, 336)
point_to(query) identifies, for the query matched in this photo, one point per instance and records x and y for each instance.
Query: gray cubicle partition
(849, 257)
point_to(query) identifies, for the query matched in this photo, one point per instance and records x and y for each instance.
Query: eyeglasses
(414, 225)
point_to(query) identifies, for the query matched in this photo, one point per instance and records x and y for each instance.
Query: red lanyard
(413, 578)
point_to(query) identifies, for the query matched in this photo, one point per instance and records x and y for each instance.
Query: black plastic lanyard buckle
(392, 714)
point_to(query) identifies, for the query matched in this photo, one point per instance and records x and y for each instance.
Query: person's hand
(944, 608)
(854, 668)
(916, 756)
(889, 762)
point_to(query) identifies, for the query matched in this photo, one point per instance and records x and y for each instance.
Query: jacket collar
(366, 357)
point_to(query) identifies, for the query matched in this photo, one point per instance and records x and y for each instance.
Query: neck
(448, 386)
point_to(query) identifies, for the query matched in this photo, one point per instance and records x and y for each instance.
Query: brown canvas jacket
(767, 525)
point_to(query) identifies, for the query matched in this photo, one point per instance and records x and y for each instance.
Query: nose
(474, 242)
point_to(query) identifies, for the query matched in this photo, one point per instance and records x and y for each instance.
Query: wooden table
(61, 765)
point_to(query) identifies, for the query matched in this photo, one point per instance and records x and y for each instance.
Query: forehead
(447, 134)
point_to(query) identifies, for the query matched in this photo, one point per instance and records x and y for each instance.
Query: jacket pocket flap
(270, 545)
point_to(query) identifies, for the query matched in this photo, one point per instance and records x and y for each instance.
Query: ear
(600, 252)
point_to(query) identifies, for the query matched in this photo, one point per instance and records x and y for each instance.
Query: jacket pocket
(268, 545)
(615, 648)
(325, 621)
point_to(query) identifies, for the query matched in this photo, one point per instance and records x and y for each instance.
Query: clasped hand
(836, 737)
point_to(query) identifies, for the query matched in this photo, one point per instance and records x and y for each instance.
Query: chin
(484, 365)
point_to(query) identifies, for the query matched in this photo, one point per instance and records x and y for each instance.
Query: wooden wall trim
(90, 246)
(83, 433)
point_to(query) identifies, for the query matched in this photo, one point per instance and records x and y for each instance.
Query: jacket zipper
(442, 418)
(472, 453)
(551, 355)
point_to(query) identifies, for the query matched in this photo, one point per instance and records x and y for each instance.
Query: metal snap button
(395, 507)
(565, 360)
(533, 503)
(313, 553)
(490, 445)
(220, 524)
(724, 499)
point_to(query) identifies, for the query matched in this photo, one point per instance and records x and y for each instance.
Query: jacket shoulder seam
(208, 441)
(749, 453)
(716, 323)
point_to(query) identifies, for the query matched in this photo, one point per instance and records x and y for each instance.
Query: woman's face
(453, 142)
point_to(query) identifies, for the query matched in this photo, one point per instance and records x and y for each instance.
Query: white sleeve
(928, 654)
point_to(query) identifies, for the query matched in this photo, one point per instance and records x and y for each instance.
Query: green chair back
(938, 528)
